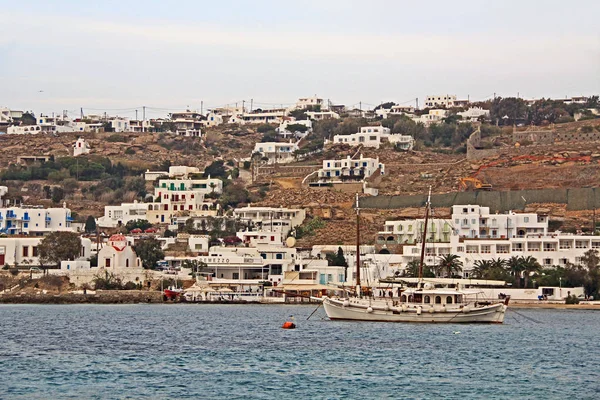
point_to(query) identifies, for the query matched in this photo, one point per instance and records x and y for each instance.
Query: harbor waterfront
(240, 351)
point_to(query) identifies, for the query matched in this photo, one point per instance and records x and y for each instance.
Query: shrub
(587, 129)
(114, 138)
(130, 151)
(572, 299)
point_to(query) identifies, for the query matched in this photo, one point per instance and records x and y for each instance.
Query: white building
(8, 116)
(277, 152)
(115, 216)
(268, 225)
(394, 110)
(188, 123)
(139, 126)
(321, 115)
(177, 203)
(474, 113)
(34, 221)
(213, 119)
(374, 136)
(118, 254)
(306, 102)
(274, 116)
(433, 116)
(474, 234)
(444, 100)
(23, 251)
(81, 147)
(348, 170)
(119, 124)
(201, 186)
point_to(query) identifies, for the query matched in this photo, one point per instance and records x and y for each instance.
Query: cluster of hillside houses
(263, 252)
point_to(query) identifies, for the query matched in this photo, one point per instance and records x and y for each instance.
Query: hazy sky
(111, 55)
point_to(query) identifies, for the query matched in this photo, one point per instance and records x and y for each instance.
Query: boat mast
(424, 238)
(357, 247)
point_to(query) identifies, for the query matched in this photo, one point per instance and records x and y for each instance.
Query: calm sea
(240, 352)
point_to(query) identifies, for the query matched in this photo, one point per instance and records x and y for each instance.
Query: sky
(118, 56)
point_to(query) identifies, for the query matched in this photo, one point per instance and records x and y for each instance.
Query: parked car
(35, 270)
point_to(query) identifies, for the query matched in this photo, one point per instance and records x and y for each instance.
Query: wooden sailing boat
(451, 303)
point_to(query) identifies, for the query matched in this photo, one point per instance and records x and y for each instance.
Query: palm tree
(450, 264)
(515, 265)
(530, 266)
(412, 269)
(482, 269)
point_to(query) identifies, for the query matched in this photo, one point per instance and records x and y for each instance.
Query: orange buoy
(288, 325)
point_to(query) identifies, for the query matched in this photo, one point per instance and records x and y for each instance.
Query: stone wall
(575, 199)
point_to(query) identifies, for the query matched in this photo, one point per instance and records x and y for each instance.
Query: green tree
(450, 265)
(195, 266)
(516, 268)
(149, 251)
(590, 261)
(506, 111)
(58, 194)
(215, 170)
(90, 224)
(297, 128)
(59, 246)
(138, 224)
(337, 259)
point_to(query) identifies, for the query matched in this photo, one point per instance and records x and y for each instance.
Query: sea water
(241, 352)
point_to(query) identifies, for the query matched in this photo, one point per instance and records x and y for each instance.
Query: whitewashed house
(277, 152)
(115, 216)
(349, 170)
(23, 251)
(34, 221)
(443, 100)
(307, 102)
(188, 123)
(473, 114)
(321, 115)
(274, 116)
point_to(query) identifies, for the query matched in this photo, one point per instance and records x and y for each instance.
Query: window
(25, 251)
(449, 300)
(438, 300)
(526, 219)
(426, 299)
(34, 251)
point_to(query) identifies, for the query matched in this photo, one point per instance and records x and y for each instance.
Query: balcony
(70, 219)
(26, 218)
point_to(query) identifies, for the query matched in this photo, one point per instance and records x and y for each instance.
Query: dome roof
(117, 238)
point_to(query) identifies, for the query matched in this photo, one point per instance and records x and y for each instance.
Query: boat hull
(357, 310)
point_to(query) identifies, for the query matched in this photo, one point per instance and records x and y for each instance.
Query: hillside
(561, 165)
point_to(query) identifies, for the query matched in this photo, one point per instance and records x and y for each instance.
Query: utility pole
(360, 105)
(417, 101)
(251, 104)
(144, 116)
(81, 110)
(136, 116)
(201, 106)
(243, 105)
